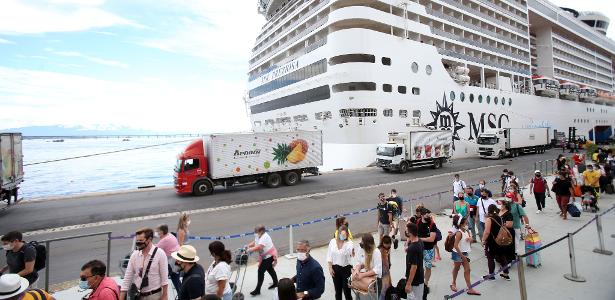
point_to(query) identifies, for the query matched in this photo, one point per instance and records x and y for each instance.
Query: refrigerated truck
(11, 167)
(271, 158)
(512, 142)
(415, 148)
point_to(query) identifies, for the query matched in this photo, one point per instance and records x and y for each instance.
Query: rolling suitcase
(573, 210)
(532, 242)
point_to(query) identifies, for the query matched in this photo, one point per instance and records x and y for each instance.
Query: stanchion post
(108, 252)
(573, 276)
(291, 244)
(521, 271)
(440, 202)
(540, 164)
(601, 249)
(47, 265)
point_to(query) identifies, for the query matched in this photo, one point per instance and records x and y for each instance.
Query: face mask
(7, 247)
(84, 285)
(499, 206)
(481, 186)
(301, 256)
(188, 223)
(538, 175)
(342, 238)
(484, 197)
(140, 245)
(156, 234)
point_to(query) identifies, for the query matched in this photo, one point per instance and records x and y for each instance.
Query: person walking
(540, 188)
(219, 272)
(385, 216)
(338, 223)
(310, 278)
(460, 254)
(427, 234)
(396, 215)
(472, 201)
(147, 269)
(193, 284)
(339, 259)
(369, 259)
(460, 206)
(591, 180)
(495, 252)
(414, 264)
(15, 287)
(503, 179)
(182, 229)
(385, 252)
(507, 222)
(458, 187)
(20, 257)
(562, 187)
(520, 220)
(169, 244)
(94, 276)
(561, 162)
(482, 206)
(267, 257)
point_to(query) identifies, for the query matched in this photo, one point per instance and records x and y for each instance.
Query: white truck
(271, 158)
(416, 148)
(512, 142)
(11, 166)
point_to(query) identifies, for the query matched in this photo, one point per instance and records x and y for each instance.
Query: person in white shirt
(461, 251)
(219, 273)
(339, 258)
(268, 256)
(459, 186)
(368, 261)
(483, 207)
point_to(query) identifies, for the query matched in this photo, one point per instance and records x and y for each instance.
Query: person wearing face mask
(385, 216)
(460, 254)
(20, 257)
(539, 187)
(147, 269)
(396, 215)
(339, 258)
(193, 284)
(472, 201)
(483, 207)
(182, 229)
(386, 282)
(169, 244)
(219, 272)
(427, 232)
(338, 223)
(482, 186)
(310, 279)
(93, 276)
(267, 257)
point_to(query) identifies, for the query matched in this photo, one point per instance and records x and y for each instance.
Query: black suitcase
(609, 188)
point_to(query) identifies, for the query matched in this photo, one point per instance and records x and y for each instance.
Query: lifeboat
(545, 87)
(568, 91)
(587, 94)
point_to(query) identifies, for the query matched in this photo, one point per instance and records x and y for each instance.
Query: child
(588, 200)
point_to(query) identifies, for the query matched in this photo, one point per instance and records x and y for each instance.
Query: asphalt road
(345, 191)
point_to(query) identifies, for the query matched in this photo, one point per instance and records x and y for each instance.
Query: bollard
(108, 252)
(291, 244)
(47, 266)
(521, 271)
(601, 249)
(573, 276)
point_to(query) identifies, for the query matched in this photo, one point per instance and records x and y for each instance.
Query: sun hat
(12, 285)
(186, 253)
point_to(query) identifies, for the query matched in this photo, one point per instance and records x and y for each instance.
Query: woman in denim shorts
(460, 252)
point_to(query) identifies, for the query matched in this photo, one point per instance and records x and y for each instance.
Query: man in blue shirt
(310, 278)
(472, 200)
(481, 186)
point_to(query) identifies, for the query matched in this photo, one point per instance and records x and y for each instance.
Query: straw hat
(12, 285)
(186, 253)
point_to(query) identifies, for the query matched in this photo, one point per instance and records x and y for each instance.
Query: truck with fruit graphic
(415, 148)
(271, 158)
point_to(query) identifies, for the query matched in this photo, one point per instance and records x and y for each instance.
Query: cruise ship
(358, 69)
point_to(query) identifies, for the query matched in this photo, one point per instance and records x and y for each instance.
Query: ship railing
(575, 59)
(482, 61)
(477, 44)
(264, 34)
(307, 49)
(486, 16)
(502, 10)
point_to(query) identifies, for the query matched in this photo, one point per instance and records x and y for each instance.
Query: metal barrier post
(540, 164)
(47, 266)
(601, 249)
(440, 202)
(535, 163)
(573, 276)
(291, 244)
(108, 252)
(521, 271)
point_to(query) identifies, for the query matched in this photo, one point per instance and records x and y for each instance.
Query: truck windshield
(178, 165)
(487, 140)
(385, 151)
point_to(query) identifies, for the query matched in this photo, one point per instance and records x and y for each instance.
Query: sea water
(129, 169)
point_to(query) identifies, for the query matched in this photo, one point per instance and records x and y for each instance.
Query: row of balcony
(487, 16)
(478, 44)
(483, 61)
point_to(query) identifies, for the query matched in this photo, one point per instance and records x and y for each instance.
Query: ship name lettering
(493, 122)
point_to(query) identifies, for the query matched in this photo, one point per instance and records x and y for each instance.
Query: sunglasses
(84, 278)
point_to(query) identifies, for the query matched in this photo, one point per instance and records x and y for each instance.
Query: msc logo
(445, 118)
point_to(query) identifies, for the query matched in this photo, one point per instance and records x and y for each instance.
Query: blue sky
(163, 65)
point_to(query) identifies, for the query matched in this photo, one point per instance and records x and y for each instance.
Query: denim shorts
(456, 257)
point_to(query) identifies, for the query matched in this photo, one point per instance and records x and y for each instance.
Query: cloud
(3, 41)
(57, 16)
(93, 59)
(48, 98)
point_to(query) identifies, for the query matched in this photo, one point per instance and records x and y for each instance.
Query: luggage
(609, 188)
(574, 210)
(532, 242)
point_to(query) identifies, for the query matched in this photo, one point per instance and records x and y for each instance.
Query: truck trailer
(11, 167)
(512, 142)
(415, 148)
(271, 158)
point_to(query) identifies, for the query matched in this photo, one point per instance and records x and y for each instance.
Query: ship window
(282, 120)
(495, 100)
(300, 118)
(387, 112)
(503, 101)
(416, 113)
(354, 86)
(488, 99)
(386, 61)
(401, 89)
(358, 112)
(509, 101)
(403, 113)
(416, 91)
(428, 69)
(387, 87)
(349, 58)
(306, 72)
(269, 121)
(471, 98)
(452, 96)
(480, 98)
(462, 96)
(415, 67)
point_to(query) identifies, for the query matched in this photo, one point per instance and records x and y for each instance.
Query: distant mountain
(58, 130)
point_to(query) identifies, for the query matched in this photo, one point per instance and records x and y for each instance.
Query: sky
(164, 65)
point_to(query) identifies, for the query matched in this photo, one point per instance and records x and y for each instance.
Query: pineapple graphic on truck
(271, 158)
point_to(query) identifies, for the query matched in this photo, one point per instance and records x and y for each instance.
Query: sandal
(474, 293)
(453, 287)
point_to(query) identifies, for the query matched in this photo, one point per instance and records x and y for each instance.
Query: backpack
(41, 254)
(438, 232)
(449, 244)
(503, 238)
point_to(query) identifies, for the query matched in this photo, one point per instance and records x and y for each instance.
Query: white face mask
(156, 234)
(301, 256)
(188, 223)
(7, 247)
(482, 186)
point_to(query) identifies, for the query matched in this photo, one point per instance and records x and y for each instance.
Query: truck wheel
(403, 167)
(437, 164)
(274, 180)
(291, 178)
(500, 155)
(203, 187)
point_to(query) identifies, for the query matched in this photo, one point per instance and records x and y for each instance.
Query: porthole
(471, 98)
(452, 96)
(480, 98)
(495, 100)
(428, 69)
(488, 99)
(509, 101)
(503, 101)
(415, 67)
(386, 61)
(462, 96)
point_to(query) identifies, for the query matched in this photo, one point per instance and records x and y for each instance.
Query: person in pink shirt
(168, 243)
(93, 276)
(147, 269)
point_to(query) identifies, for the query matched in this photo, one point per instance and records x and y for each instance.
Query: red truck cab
(191, 167)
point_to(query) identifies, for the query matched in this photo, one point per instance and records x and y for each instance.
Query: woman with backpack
(495, 251)
(507, 222)
(460, 252)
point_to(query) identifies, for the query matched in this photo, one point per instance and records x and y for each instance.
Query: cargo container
(415, 148)
(512, 142)
(11, 167)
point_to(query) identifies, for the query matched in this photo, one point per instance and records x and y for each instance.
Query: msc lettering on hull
(493, 122)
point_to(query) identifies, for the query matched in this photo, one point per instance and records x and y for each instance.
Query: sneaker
(538, 211)
(395, 243)
(255, 293)
(488, 278)
(505, 276)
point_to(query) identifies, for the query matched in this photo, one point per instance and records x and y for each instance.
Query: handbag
(365, 285)
(577, 191)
